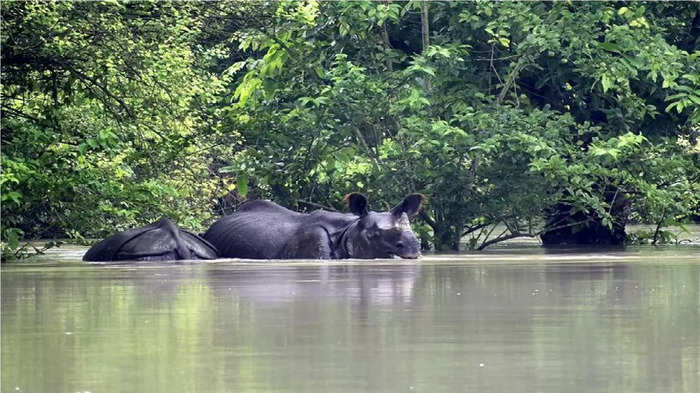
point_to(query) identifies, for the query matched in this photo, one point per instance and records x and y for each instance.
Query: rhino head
(382, 234)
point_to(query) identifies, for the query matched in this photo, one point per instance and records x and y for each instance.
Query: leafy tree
(499, 115)
(104, 118)
(515, 119)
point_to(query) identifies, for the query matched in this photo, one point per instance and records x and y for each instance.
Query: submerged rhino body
(265, 230)
(159, 241)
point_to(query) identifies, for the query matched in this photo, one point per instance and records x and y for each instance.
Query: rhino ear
(410, 205)
(357, 203)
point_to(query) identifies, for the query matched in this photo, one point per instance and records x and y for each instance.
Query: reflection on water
(501, 321)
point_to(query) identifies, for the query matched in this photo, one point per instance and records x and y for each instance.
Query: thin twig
(504, 238)
(428, 220)
(474, 228)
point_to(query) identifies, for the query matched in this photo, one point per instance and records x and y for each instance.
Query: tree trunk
(387, 42)
(446, 236)
(425, 35)
(425, 25)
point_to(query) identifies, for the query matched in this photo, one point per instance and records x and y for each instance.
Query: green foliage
(511, 109)
(507, 113)
(652, 237)
(104, 121)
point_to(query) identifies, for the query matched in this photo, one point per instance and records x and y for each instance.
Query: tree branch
(571, 224)
(475, 228)
(428, 220)
(82, 76)
(15, 112)
(513, 235)
(504, 238)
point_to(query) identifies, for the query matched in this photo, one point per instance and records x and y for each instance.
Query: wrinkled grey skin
(160, 241)
(265, 230)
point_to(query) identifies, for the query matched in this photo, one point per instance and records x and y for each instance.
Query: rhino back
(258, 235)
(263, 206)
(265, 230)
(160, 241)
(108, 249)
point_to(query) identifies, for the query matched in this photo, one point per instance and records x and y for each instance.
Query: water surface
(508, 320)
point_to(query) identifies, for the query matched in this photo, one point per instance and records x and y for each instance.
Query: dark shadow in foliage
(591, 230)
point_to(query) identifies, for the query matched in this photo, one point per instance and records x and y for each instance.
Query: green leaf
(606, 82)
(12, 196)
(610, 47)
(671, 105)
(242, 185)
(11, 236)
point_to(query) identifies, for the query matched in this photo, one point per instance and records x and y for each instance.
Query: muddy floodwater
(508, 320)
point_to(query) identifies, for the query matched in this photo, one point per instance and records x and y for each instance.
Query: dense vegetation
(504, 114)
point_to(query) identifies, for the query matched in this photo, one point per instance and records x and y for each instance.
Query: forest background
(513, 118)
